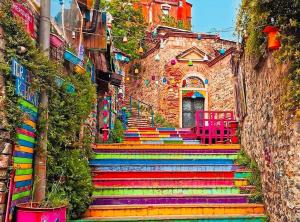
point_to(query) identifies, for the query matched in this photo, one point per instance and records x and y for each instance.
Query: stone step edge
(164, 179)
(247, 205)
(167, 146)
(176, 196)
(170, 218)
(249, 187)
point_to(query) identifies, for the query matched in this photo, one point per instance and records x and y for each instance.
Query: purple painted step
(171, 200)
(164, 151)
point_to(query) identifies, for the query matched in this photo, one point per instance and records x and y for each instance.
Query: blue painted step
(167, 168)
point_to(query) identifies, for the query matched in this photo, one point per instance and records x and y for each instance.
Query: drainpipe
(40, 157)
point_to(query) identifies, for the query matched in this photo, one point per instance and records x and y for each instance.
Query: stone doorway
(192, 97)
(189, 108)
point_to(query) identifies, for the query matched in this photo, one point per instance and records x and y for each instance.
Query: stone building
(154, 10)
(183, 72)
(269, 133)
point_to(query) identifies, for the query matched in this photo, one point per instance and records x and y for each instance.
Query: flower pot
(234, 140)
(26, 212)
(69, 56)
(79, 69)
(56, 41)
(273, 42)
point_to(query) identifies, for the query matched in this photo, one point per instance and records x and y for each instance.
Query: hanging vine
(253, 16)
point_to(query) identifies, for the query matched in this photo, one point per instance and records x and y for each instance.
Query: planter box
(79, 69)
(56, 41)
(34, 214)
(69, 56)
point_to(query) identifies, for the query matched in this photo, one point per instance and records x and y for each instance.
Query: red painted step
(101, 175)
(165, 182)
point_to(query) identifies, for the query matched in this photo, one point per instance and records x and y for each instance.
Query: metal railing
(215, 127)
(139, 105)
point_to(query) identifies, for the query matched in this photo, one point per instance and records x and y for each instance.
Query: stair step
(169, 175)
(162, 162)
(194, 182)
(168, 210)
(167, 151)
(125, 191)
(210, 199)
(185, 218)
(164, 156)
(169, 146)
(165, 168)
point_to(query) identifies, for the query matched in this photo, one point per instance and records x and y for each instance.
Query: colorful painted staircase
(160, 136)
(173, 180)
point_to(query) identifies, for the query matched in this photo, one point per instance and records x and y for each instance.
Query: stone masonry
(271, 136)
(185, 46)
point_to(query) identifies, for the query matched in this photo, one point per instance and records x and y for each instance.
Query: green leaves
(129, 23)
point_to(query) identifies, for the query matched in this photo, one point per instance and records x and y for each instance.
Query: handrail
(141, 101)
(131, 99)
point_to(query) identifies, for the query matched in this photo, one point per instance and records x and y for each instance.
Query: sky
(214, 14)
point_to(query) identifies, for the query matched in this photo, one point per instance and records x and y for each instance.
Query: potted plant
(56, 41)
(69, 56)
(53, 209)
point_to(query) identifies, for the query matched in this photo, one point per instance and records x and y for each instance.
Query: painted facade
(153, 10)
(185, 72)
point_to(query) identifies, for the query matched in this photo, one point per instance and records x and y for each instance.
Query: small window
(165, 11)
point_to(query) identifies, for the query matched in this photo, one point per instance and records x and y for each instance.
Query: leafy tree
(128, 21)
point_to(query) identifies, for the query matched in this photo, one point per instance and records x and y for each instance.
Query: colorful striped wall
(23, 154)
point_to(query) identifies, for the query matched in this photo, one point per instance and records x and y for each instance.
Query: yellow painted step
(176, 209)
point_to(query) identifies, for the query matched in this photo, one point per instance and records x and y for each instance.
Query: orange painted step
(174, 209)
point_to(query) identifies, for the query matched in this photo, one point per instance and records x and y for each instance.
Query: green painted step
(164, 156)
(165, 191)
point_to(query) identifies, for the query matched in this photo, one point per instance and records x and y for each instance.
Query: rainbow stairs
(170, 181)
(160, 136)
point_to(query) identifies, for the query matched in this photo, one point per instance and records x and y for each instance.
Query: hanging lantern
(141, 50)
(172, 81)
(205, 58)
(125, 40)
(222, 51)
(156, 82)
(184, 83)
(127, 78)
(164, 80)
(173, 61)
(190, 63)
(162, 45)
(153, 78)
(273, 42)
(136, 71)
(199, 36)
(157, 58)
(146, 82)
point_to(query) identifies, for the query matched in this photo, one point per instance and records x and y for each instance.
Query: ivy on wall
(253, 16)
(67, 154)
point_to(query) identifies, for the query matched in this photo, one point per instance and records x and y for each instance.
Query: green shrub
(244, 159)
(117, 134)
(71, 169)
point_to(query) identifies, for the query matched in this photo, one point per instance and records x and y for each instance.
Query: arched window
(193, 82)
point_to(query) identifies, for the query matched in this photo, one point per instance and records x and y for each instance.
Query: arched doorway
(193, 97)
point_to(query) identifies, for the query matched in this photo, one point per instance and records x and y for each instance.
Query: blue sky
(214, 14)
